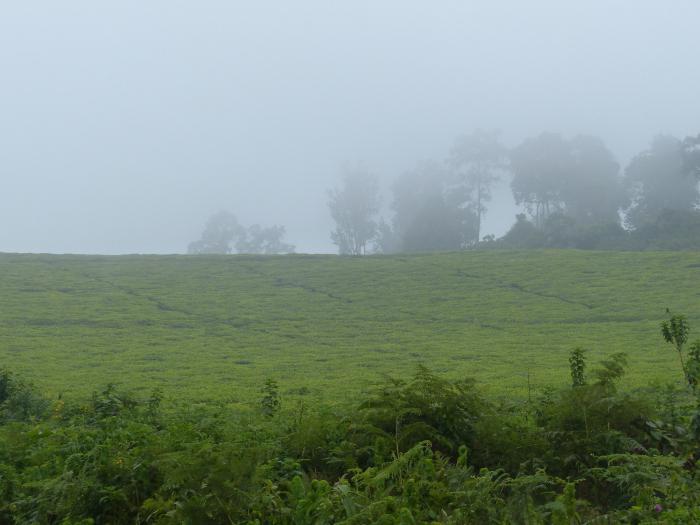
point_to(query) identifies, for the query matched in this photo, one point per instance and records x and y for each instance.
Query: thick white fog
(125, 125)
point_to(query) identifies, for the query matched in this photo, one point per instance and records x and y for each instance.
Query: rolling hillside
(213, 328)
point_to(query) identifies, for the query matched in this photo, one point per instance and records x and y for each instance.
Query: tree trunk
(478, 207)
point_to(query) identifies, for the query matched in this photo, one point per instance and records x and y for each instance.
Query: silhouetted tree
(354, 207)
(477, 159)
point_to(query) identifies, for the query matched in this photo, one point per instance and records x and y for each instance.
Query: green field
(213, 328)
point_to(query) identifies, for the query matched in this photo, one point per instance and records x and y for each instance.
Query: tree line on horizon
(572, 190)
(224, 234)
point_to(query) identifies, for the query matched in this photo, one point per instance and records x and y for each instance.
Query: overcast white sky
(124, 125)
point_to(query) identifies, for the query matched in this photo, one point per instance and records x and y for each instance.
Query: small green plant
(577, 366)
(564, 507)
(675, 331)
(611, 370)
(270, 403)
(693, 366)
(5, 384)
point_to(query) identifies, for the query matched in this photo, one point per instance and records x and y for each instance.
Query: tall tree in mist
(658, 179)
(539, 166)
(354, 207)
(220, 232)
(429, 215)
(477, 159)
(592, 192)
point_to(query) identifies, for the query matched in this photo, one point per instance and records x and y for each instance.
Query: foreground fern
(425, 450)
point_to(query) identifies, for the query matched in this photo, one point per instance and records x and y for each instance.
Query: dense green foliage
(425, 450)
(207, 328)
(668, 230)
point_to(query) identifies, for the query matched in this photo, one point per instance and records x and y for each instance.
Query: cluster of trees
(422, 450)
(571, 189)
(224, 234)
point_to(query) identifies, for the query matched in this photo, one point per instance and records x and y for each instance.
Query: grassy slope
(215, 327)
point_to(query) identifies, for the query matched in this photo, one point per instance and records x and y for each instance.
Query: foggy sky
(124, 125)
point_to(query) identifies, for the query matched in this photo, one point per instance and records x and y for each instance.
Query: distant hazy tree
(354, 206)
(578, 178)
(437, 227)
(560, 231)
(539, 167)
(263, 240)
(430, 214)
(658, 180)
(603, 236)
(221, 231)
(592, 192)
(478, 159)
(523, 234)
(563, 231)
(386, 240)
(671, 230)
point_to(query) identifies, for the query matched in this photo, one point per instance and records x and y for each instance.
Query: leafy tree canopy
(354, 206)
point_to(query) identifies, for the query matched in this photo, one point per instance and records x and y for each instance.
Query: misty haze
(349, 262)
(126, 126)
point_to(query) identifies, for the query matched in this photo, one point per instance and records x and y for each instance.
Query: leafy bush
(19, 401)
(423, 450)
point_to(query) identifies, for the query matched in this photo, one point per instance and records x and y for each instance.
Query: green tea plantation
(213, 328)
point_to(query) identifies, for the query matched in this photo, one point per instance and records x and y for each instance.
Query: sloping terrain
(214, 328)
